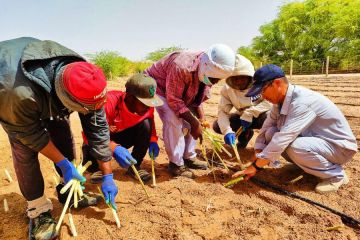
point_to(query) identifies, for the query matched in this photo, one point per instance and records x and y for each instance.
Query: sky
(136, 27)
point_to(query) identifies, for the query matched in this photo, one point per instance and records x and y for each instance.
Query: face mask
(206, 81)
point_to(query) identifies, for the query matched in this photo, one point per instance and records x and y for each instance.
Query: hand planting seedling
(75, 190)
(113, 210)
(153, 169)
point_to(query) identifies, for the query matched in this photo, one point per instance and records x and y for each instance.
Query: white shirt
(304, 113)
(236, 98)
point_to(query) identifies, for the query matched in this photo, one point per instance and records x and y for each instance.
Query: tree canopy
(308, 32)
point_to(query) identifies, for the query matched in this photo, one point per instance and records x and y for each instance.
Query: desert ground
(203, 208)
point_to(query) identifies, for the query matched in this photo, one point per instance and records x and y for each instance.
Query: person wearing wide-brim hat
(41, 83)
(250, 113)
(304, 127)
(184, 80)
(130, 116)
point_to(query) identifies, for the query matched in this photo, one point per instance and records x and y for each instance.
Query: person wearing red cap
(41, 83)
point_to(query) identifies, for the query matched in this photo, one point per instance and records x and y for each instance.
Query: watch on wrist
(256, 166)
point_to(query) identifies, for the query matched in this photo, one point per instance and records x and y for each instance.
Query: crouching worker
(250, 112)
(304, 127)
(130, 116)
(184, 80)
(41, 83)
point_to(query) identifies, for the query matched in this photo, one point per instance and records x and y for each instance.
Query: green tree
(270, 45)
(160, 53)
(308, 32)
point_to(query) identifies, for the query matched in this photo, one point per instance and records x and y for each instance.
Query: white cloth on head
(177, 145)
(38, 206)
(217, 62)
(243, 67)
(232, 98)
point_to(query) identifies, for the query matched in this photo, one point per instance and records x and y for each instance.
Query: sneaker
(193, 163)
(43, 227)
(178, 171)
(144, 175)
(331, 184)
(86, 200)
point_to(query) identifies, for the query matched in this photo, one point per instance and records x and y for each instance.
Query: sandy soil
(203, 208)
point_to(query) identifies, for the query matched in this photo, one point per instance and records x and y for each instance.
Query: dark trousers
(235, 124)
(137, 137)
(26, 162)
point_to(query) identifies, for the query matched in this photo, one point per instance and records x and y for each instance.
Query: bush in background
(114, 65)
(141, 66)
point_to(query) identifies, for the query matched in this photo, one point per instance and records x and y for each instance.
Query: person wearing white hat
(250, 113)
(184, 80)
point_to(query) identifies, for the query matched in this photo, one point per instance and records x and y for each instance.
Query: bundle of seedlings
(216, 146)
(75, 192)
(217, 143)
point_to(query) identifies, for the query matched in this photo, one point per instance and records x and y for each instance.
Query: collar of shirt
(123, 109)
(286, 104)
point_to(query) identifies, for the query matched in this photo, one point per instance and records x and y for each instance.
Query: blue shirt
(304, 113)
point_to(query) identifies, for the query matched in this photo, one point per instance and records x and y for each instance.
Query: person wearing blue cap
(304, 127)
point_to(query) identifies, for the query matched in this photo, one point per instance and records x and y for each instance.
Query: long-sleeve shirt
(177, 80)
(304, 113)
(236, 98)
(119, 116)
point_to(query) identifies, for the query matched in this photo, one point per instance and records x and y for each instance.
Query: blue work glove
(230, 138)
(245, 124)
(69, 171)
(153, 150)
(109, 189)
(123, 157)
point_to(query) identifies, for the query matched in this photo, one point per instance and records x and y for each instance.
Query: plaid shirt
(177, 80)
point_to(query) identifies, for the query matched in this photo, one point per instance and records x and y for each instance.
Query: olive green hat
(143, 88)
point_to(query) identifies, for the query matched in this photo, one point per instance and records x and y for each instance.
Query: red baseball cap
(85, 82)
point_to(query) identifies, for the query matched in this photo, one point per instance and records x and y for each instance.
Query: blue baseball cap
(263, 75)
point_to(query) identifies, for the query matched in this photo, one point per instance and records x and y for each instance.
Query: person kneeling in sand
(130, 116)
(304, 127)
(250, 113)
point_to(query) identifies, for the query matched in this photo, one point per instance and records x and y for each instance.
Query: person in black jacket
(41, 83)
